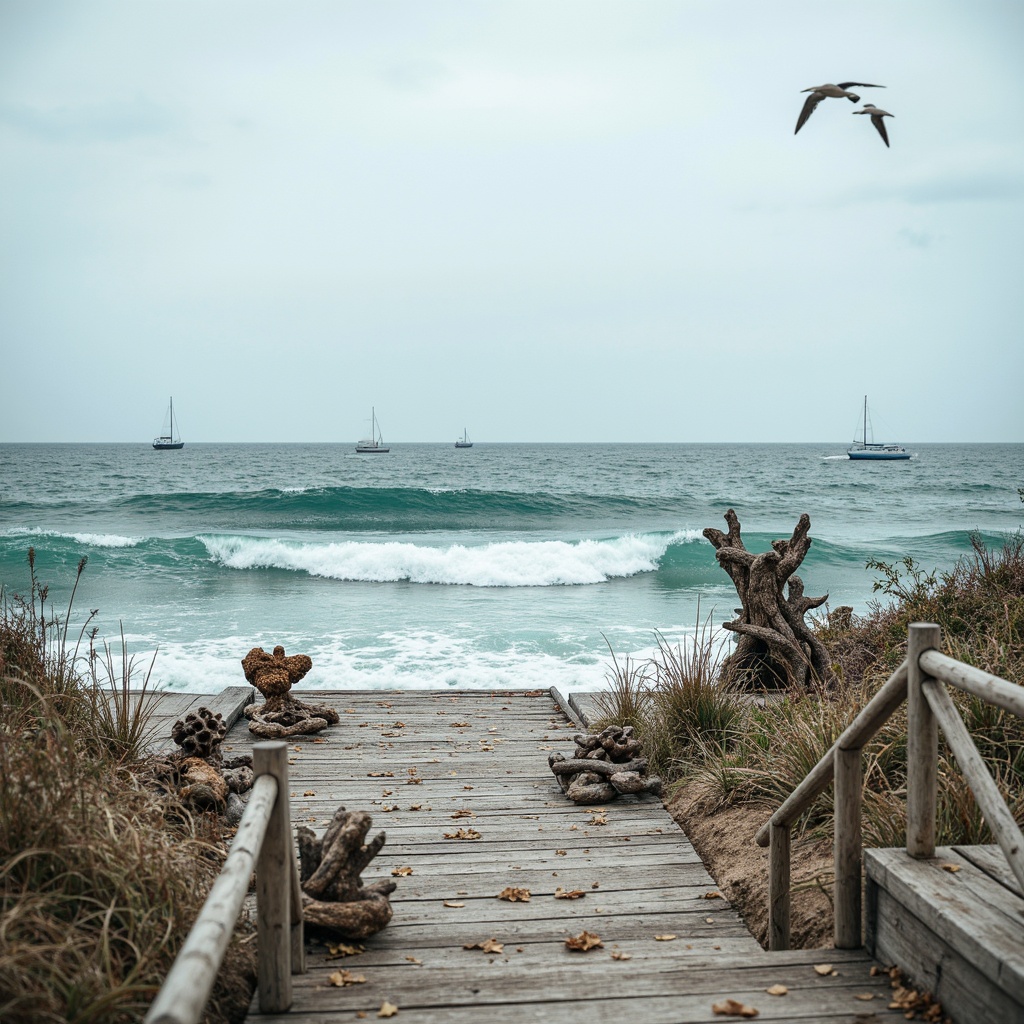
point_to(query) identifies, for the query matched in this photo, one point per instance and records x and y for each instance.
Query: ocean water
(500, 566)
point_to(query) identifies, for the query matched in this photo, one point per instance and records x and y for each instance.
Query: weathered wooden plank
(568, 988)
(991, 861)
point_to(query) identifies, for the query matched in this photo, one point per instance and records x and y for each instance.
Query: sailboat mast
(865, 441)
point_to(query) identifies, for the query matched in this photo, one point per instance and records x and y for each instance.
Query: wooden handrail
(919, 680)
(262, 841)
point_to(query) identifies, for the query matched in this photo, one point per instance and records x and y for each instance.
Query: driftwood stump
(334, 896)
(603, 765)
(776, 649)
(282, 715)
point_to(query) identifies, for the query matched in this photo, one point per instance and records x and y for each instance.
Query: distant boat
(464, 441)
(172, 439)
(374, 444)
(865, 449)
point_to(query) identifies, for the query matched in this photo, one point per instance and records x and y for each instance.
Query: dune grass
(743, 749)
(101, 876)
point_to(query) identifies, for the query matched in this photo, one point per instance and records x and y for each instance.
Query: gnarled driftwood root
(775, 648)
(334, 896)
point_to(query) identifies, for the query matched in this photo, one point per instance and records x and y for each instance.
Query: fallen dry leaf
(414, 959)
(464, 813)
(664, 938)
(342, 978)
(951, 868)
(598, 819)
(463, 833)
(714, 895)
(584, 941)
(344, 949)
(569, 894)
(560, 853)
(453, 903)
(865, 997)
(387, 1009)
(822, 969)
(777, 990)
(491, 945)
(514, 895)
(401, 872)
(734, 1008)
(381, 775)
(309, 792)
(619, 955)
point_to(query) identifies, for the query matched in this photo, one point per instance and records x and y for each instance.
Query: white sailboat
(374, 444)
(865, 449)
(464, 441)
(171, 441)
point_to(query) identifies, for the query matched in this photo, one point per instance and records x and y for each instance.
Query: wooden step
(955, 925)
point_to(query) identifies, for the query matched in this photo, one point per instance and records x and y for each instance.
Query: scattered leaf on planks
(734, 1008)
(491, 945)
(514, 895)
(584, 941)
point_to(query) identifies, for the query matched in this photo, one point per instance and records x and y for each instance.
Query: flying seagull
(876, 119)
(820, 92)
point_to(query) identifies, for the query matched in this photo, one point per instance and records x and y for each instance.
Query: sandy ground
(724, 839)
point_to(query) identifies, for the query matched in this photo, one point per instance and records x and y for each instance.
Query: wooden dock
(429, 764)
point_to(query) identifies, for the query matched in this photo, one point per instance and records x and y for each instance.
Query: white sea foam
(502, 564)
(92, 540)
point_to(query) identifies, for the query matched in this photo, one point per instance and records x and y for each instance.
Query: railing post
(847, 849)
(274, 886)
(778, 887)
(922, 746)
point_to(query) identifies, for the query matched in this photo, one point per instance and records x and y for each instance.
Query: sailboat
(170, 441)
(374, 444)
(865, 449)
(464, 441)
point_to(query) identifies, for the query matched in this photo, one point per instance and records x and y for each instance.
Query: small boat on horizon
(374, 444)
(464, 441)
(171, 441)
(865, 449)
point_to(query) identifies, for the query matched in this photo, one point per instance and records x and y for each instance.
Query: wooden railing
(264, 841)
(920, 680)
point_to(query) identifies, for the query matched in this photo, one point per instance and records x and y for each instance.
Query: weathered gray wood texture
(166, 707)
(425, 764)
(957, 933)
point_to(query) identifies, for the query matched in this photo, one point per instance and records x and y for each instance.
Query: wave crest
(500, 564)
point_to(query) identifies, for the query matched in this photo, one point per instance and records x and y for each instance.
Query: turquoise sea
(498, 566)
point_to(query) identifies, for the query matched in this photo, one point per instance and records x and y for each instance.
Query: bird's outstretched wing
(880, 125)
(809, 104)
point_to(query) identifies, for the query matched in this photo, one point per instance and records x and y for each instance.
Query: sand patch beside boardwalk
(724, 839)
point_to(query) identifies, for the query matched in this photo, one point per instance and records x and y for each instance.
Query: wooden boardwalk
(427, 764)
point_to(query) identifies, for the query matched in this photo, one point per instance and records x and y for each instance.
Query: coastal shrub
(101, 876)
(672, 698)
(979, 604)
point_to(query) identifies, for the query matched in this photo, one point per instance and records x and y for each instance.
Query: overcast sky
(562, 220)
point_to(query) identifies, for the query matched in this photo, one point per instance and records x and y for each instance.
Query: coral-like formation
(334, 896)
(603, 765)
(775, 648)
(200, 733)
(282, 715)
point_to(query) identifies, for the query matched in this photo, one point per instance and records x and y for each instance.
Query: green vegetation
(745, 749)
(101, 876)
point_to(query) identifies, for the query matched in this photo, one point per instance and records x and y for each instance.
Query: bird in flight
(876, 119)
(820, 92)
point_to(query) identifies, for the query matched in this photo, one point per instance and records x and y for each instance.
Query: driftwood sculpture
(282, 715)
(198, 771)
(776, 648)
(334, 896)
(603, 766)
